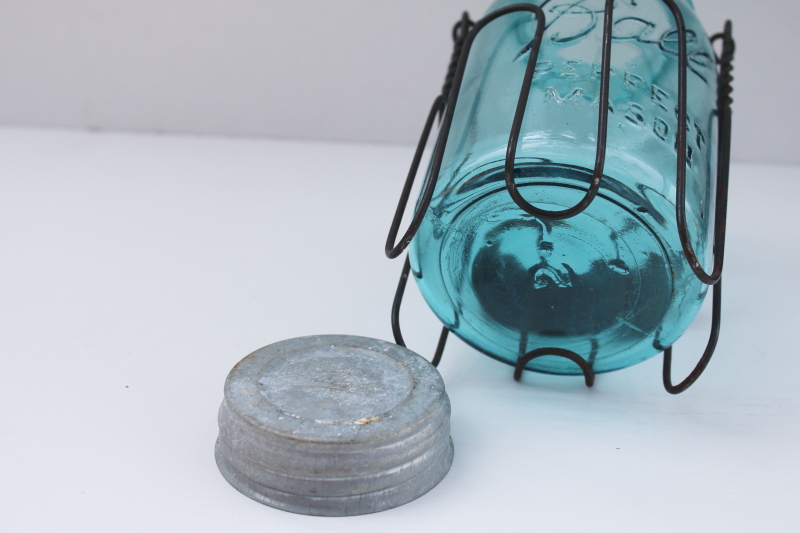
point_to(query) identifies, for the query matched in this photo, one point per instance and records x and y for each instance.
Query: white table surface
(136, 270)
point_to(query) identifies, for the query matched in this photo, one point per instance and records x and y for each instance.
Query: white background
(137, 270)
(355, 70)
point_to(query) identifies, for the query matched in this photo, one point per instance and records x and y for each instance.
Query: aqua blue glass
(612, 283)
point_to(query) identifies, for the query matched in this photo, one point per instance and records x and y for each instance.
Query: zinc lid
(334, 425)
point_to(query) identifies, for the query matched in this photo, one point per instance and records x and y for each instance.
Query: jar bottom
(599, 284)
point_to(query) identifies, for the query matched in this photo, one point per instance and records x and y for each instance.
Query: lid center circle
(335, 384)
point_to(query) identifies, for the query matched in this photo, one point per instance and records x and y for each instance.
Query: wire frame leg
(398, 300)
(710, 347)
(588, 373)
(725, 61)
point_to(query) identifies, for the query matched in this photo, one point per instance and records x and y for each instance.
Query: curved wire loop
(588, 372)
(391, 249)
(448, 101)
(602, 125)
(724, 100)
(709, 351)
(398, 300)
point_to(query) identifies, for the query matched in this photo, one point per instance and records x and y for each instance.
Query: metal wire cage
(464, 34)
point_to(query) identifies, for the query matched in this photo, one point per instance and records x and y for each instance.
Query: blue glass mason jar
(611, 283)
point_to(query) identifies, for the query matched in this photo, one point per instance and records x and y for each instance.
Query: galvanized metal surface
(334, 425)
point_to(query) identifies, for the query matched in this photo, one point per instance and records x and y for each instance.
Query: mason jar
(611, 283)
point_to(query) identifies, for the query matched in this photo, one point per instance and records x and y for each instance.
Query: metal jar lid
(334, 425)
